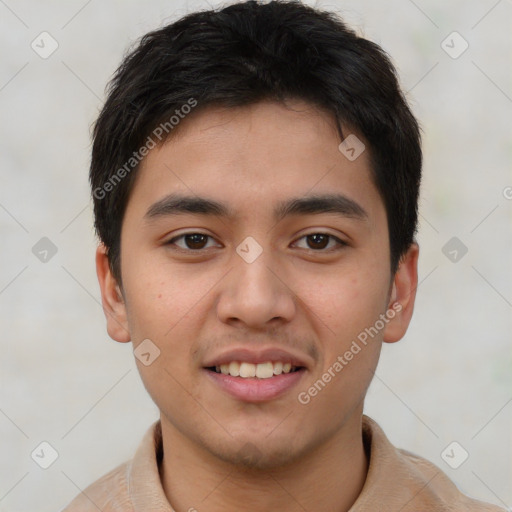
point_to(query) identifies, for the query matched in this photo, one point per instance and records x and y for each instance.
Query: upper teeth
(260, 370)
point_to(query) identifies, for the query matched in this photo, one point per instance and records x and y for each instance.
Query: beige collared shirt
(397, 481)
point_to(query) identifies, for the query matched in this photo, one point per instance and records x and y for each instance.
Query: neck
(329, 478)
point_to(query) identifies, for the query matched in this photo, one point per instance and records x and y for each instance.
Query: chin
(258, 454)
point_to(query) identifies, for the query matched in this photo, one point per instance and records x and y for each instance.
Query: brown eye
(195, 241)
(317, 241)
(321, 242)
(191, 241)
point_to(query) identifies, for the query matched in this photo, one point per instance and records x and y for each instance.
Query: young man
(255, 174)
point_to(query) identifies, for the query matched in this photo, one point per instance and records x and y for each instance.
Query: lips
(253, 389)
(256, 376)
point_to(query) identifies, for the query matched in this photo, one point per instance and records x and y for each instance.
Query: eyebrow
(176, 204)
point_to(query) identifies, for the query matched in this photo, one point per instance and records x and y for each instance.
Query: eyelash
(341, 244)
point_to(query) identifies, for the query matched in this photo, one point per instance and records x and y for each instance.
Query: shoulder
(434, 486)
(136, 480)
(109, 493)
(398, 479)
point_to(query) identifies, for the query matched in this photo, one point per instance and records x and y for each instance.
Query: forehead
(257, 155)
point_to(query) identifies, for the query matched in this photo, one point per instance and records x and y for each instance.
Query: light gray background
(65, 382)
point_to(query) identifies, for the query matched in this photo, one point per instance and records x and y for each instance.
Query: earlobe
(112, 299)
(402, 296)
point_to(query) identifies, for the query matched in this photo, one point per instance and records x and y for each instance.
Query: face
(251, 244)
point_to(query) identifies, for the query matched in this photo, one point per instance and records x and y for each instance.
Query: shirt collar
(386, 470)
(145, 486)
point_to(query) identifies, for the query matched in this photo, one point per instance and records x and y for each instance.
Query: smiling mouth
(264, 370)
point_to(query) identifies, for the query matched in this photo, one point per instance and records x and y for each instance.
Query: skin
(195, 304)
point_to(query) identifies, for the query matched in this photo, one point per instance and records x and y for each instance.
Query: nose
(256, 294)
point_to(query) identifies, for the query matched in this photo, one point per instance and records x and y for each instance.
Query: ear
(112, 299)
(402, 296)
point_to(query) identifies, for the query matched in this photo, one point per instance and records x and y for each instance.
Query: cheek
(344, 307)
(159, 298)
(346, 302)
(160, 308)
(168, 306)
